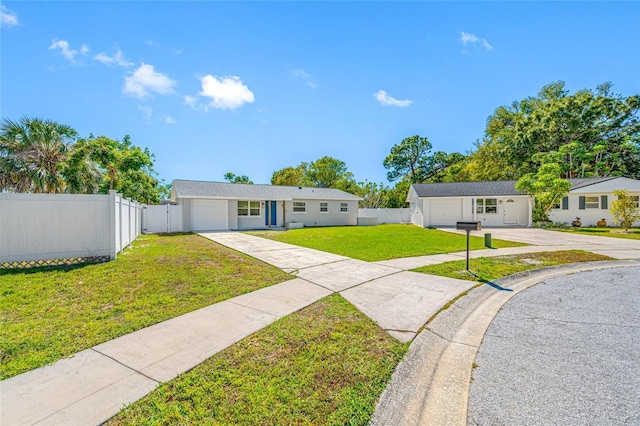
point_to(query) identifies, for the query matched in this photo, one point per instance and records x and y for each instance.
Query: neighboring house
(589, 200)
(217, 206)
(500, 204)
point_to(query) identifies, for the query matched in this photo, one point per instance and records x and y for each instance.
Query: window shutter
(565, 203)
(581, 202)
(604, 202)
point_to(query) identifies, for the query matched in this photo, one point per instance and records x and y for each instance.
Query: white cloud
(467, 38)
(7, 17)
(144, 80)
(147, 111)
(117, 59)
(66, 51)
(387, 100)
(304, 76)
(169, 120)
(223, 92)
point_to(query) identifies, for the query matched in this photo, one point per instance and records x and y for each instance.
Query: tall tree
(233, 178)
(328, 172)
(591, 133)
(32, 154)
(127, 168)
(290, 176)
(410, 158)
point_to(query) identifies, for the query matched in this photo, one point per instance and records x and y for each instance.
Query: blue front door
(270, 209)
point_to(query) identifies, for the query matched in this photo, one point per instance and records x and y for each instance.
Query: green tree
(373, 194)
(625, 209)
(592, 132)
(230, 177)
(290, 176)
(396, 197)
(329, 172)
(545, 188)
(410, 158)
(126, 168)
(32, 154)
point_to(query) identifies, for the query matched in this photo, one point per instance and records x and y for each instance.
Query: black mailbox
(469, 226)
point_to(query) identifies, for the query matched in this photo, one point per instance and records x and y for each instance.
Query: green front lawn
(382, 242)
(324, 365)
(633, 234)
(491, 268)
(50, 313)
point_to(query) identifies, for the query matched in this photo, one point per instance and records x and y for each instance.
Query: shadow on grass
(489, 283)
(37, 269)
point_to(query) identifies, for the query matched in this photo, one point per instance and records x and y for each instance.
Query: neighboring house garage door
(209, 215)
(445, 212)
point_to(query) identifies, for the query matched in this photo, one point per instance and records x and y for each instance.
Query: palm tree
(32, 154)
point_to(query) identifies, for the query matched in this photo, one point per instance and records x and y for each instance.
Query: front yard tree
(624, 210)
(32, 154)
(545, 188)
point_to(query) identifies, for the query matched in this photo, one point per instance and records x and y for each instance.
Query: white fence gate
(387, 215)
(159, 219)
(47, 229)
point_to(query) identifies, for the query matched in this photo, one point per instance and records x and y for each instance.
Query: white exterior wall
(313, 216)
(588, 217)
(63, 226)
(424, 210)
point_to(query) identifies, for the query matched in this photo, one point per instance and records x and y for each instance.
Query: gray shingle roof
(481, 189)
(235, 191)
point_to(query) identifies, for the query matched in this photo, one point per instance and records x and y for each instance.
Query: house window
(592, 202)
(487, 205)
(249, 208)
(344, 207)
(299, 207)
(324, 207)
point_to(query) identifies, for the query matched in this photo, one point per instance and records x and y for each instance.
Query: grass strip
(324, 365)
(633, 234)
(49, 313)
(382, 242)
(492, 268)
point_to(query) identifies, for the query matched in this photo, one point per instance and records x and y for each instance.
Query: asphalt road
(564, 352)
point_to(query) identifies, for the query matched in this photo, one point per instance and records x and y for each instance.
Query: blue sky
(253, 87)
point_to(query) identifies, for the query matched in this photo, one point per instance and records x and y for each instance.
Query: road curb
(431, 384)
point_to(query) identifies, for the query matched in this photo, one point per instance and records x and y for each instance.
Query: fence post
(112, 225)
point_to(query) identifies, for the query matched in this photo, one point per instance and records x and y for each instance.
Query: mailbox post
(468, 226)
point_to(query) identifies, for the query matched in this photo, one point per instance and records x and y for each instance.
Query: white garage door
(445, 212)
(209, 215)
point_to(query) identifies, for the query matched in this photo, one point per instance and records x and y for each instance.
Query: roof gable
(222, 190)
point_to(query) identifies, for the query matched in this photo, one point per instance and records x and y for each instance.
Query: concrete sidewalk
(95, 384)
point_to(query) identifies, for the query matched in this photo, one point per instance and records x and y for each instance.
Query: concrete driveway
(618, 248)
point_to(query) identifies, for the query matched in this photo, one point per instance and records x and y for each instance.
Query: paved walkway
(93, 385)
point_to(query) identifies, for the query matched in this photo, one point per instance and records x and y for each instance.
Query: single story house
(208, 206)
(498, 203)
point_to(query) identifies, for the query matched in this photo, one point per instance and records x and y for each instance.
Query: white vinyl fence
(387, 215)
(163, 218)
(43, 229)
